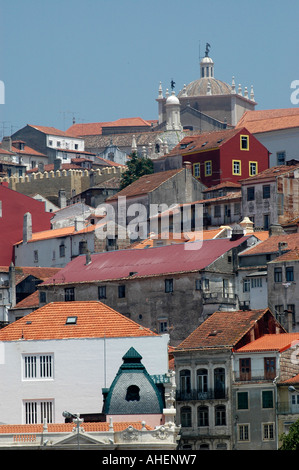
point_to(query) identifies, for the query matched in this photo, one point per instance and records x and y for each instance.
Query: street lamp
(292, 389)
(76, 420)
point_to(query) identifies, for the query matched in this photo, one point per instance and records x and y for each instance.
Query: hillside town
(162, 314)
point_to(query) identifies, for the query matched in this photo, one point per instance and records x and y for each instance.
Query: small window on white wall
(38, 366)
(38, 411)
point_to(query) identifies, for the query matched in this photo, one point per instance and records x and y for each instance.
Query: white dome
(207, 60)
(172, 99)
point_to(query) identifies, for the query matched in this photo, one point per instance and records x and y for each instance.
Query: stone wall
(48, 184)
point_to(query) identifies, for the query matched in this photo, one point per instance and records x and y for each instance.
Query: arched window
(202, 416)
(220, 415)
(202, 381)
(186, 420)
(185, 381)
(133, 393)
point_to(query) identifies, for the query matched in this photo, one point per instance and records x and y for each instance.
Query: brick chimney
(6, 143)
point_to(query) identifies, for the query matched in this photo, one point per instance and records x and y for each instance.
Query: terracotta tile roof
(271, 244)
(224, 184)
(145, 184)
(230, 195)
(203, 142)
(271, 173)
(67, 427)
(101, 160)
(292, 255)
(95, 128)
(58, 232)
(21, 272)
(26, 151)
(262, 235)
(222, 330)
(50, 130)
(162, 260)
(292, 380)
(94, 320)
(269, 120)
(5, 152)
(31, 301)
(279, 343)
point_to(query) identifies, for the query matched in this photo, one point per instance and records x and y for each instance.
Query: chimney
(6, 143)
(187, 166)
(282, 246)
(61, 198)
(79, 224)
(88, 258)
(12, 285)
(27, 227)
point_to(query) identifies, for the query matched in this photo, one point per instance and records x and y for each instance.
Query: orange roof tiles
(222, 330)
(292, 255)
(31, 301)
(271, 173)
(94, 320)
(59, 232)
(67, 427)
(50, 130)
(272, 342)
(269, 120)
(271, 244)
(145, 184)
(202, 142)
(95, 128)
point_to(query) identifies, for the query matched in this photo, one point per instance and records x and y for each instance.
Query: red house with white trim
(13, 207)
(217, 157)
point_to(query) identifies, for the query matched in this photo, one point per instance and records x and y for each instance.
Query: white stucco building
(61, 356)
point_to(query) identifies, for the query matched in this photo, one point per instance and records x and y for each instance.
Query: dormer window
(71, 321)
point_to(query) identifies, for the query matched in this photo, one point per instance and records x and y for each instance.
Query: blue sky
(101, 60)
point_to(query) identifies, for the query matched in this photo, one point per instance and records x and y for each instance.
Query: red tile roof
(222, 330)
(26, 151)
(272, 342)
(203, 142)
(269, 120)
(50, 130)
(271, 173)
(94, 320)
(292, 255)
(31, 301)
(271, 244)
(178, 258)
(145, 184)
(224, 184)
(59, 232)
(67, 427)
(95, 128)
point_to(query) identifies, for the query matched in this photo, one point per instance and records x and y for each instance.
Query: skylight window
(71, 321)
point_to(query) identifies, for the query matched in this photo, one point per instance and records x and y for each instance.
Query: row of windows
(236, 168)
(267, 400)
(251, 192)
(289, 274)
(243, 431)
(252, 283)
(201, 379)
(203, 416)
(69, 292)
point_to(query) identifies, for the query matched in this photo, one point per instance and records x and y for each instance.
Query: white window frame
(36, 411)
(38, 366)
(266, 431)
(243, 432)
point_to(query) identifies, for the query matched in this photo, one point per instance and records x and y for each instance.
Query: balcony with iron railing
(254, 375)
(287, 408)
(219, 297)
(195, 395)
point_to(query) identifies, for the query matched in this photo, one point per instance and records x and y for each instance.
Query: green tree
(136, 167)
(290, 441)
